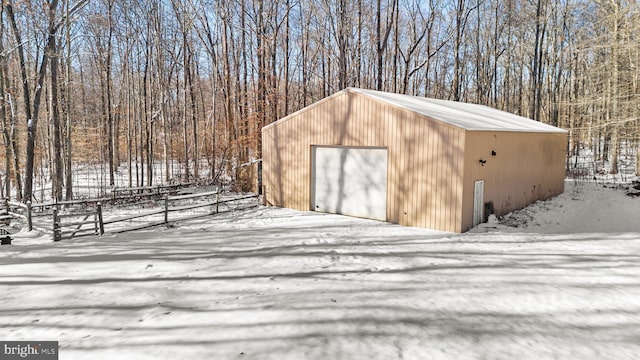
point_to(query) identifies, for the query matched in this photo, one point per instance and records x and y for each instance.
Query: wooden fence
(85, 217)
(71, 224)
(27, 211)
(76, 224)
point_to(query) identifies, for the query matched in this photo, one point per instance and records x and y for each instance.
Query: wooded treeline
(188, 84)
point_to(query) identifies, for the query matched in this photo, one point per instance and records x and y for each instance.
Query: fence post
(56, 226)
(166, 209)
(100, 222)
(217, 200)
(6, 204)
(29, 217)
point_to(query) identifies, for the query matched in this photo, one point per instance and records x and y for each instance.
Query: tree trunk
(69, 128)
(58, 171)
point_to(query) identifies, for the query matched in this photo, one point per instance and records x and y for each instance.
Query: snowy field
(558, 280)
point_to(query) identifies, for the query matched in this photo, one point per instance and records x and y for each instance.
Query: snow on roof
(459, 114)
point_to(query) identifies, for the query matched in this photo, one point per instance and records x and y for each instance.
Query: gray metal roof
(459, 114)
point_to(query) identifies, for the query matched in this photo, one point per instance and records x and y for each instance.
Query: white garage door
(350, 181)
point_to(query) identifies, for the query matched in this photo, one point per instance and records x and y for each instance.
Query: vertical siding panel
(333, 134)
(324, 117)
(291, 138)
(364, 120)
(435, 179)
(392, 163)
(461, 178)
(350, 138)
(313, 126)
(282, 151)
(363, 130)
(300, 163)
(400, 205)
(354, 99)
(287, 168)
(295, 161)
(381, 130)
(456, 182)
(426, 164)
(301, 140)
(369, 120)
(384, 136)
(284, 148)
(453, 180)
(304, 155)
(270, 172)
(335, 114)
(390, 179)
(397, 196)
(447, 178)
(326, 128)
(442, 161)
(443, 178)
(373, 120)
(432, 174)
(372, 125)
(339, 122)
(290, 165)
(437, 162)
(403, 165)
(396, 163)
(361, 120)
(363, 140)
(265, 163)
(446, 181)
(342, 119)
(409, 139)
(414, 168)
(364, 112)
(408, 152)
(450, 177)
(277, 152)
(316, 126)
(422, 166)
(363, 105)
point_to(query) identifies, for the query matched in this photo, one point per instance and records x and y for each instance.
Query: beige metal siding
(424, 167)
(527, 167)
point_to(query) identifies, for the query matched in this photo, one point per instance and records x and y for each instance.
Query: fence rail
(84, 223)
(84, 217)
(27, 211)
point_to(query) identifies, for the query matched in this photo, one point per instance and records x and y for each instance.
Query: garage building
(410, 160)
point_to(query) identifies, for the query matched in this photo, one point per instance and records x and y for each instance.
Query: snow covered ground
(270, 283)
